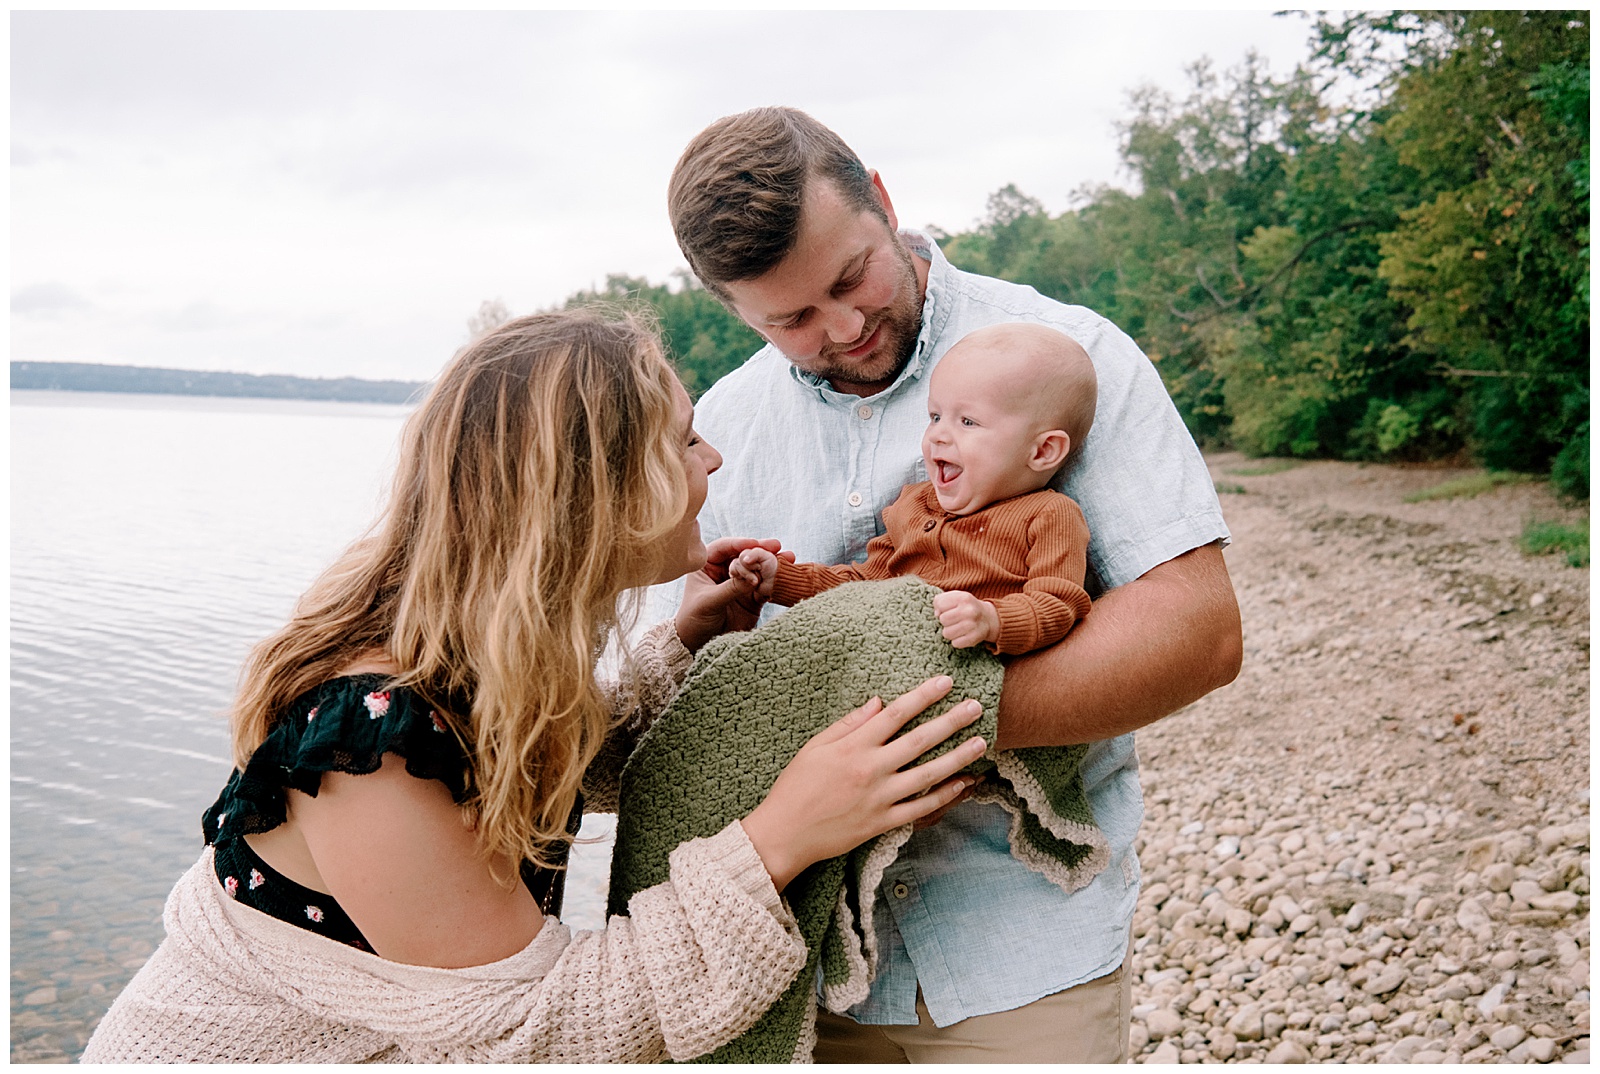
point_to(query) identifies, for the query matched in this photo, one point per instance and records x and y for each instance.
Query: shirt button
(855, 499)
(927, 527)
(864, 411)
(901, 891)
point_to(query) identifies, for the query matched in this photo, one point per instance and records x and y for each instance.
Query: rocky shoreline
(1374, 846)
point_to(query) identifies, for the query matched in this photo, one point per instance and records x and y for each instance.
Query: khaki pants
(1086, 1024)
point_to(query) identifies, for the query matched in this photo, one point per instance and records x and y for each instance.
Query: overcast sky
(333, 194)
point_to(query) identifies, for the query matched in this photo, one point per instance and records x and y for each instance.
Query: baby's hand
(718, 598)
(755, 568)
(967, 621)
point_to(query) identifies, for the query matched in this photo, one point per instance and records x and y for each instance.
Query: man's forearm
(1147, 649)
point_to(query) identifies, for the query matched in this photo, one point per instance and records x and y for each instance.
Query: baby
(1007, 405)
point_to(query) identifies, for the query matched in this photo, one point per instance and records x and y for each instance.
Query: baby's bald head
(1035, 370)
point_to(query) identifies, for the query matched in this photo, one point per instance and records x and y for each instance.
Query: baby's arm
(1052, 599)
(794, 582)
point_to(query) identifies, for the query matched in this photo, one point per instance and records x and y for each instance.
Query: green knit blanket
(748, 705)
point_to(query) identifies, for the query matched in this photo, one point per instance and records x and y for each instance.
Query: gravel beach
(1374, 845)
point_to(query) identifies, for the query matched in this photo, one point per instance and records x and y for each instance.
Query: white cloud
(338, 191)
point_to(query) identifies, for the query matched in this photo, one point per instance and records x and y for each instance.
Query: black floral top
(345, 725)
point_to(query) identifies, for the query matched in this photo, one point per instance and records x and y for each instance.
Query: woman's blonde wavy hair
(535, 485)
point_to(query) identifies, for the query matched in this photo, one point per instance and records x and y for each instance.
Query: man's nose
(845, 323)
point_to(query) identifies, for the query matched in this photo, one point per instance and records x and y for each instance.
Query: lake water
(154, 539)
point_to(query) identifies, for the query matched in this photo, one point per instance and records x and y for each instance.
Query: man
(980, 959)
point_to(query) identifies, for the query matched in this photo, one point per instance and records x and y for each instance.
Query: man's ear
(883, 199)
(1049, 451)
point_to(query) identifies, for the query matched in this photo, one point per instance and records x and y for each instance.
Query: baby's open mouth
(945, 472)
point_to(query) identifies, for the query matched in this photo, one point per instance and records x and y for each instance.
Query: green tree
(703, 339)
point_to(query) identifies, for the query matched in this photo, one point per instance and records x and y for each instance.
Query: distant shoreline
(149, 380)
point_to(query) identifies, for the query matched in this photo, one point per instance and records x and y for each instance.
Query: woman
(414, 749)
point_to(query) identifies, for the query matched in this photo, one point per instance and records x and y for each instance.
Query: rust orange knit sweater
(1025, 555)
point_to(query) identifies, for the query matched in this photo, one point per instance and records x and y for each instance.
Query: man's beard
(901, 323)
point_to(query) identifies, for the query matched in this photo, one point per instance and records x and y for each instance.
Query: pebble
(1541, 1049)
(1507, 1038)
(1289, 1052)
(1166, 1054)
(1163, 1023)
(1385, 981)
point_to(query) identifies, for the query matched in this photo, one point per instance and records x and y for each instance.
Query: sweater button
(927, 527)
(901, 891)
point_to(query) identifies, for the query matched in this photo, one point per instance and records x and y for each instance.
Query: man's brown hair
(736, 193)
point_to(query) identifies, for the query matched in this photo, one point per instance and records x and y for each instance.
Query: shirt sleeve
(1144, 487)
(1053, 598)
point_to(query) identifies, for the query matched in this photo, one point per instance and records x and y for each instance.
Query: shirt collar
(934, 313)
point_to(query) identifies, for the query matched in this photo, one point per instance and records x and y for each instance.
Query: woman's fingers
(897, 713)
(919, 740)
(915, 781)
(847, 723)
(940, 797)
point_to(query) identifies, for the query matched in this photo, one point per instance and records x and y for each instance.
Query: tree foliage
(1405, 278)
(704, 340)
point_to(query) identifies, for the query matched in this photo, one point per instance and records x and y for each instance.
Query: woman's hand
(714, 601)
(845, 785)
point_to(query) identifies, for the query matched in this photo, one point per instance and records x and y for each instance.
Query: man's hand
(967, 621)
(716, 599)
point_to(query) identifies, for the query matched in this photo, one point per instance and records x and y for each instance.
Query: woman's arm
(714, 602)
(660, 662)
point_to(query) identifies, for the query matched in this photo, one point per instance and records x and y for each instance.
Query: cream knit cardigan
(699, 960)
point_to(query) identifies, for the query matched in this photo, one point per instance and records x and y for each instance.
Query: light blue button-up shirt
(957, 914)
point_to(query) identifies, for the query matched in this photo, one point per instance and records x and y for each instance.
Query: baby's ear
(1049, 451)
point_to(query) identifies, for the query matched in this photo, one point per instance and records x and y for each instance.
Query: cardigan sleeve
(660, 662)
(698, 961)
(1053, 598)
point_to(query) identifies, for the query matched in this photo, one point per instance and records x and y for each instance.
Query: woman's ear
(1049, 451)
